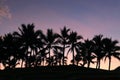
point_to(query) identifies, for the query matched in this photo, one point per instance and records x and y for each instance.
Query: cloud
(4, 10)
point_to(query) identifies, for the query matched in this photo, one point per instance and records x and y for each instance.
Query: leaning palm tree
(29, 38)
(74, 41)
(98, 49)
(49, 40)
(64, 34)
(111, 49)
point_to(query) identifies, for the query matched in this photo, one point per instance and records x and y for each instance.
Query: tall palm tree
(29, 38)
(98, 49)
(111, 49)
(74, 41)
(49, 40)
(64, 35)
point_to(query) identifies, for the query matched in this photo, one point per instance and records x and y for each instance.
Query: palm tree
(74, 42)
(49, 40)
(78, 58)
(19, 49)
(64, 34)
(10, 51)
(41, 57)
(87, 51)
(111, 49)
(98, 49)
(29, 38)
(58, 53)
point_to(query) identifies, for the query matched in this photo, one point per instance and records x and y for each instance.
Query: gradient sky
(87, 17)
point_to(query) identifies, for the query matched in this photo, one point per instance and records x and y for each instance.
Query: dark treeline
(30, 48)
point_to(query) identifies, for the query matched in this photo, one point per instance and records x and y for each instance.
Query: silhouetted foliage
(32, 48)
(98, 49)
(111, 49)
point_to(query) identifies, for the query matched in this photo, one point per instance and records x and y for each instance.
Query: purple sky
(87, 17)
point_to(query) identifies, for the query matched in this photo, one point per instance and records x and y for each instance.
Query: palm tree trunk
(73, 58)
(43, 61)
(77, 63)
(99, 65)
(49, 57)
(49, 52)
(109, 63)
(22, 64)
(63, 54)
(88, 64)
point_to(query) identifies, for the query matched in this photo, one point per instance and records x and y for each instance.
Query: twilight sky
(87, 17)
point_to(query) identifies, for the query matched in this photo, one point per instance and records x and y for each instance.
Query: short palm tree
(42, 56)
(111, 49)
(78, 58)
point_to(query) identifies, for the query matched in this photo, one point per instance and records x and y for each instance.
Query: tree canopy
(31, 48)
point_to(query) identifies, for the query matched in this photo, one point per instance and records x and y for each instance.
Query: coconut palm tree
(11, 51)
(58, 53)
(111, 49)
(49, 40)
(29, 38)
(98, 49)
(74, 41)
(78, 58)
(87, 51)
(64, 34)
(41, 57)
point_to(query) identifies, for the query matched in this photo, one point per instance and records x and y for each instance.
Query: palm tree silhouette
(64, 34)
(111, 49)
(98, 49)
(19, 49)
(58, 53)
(87, 51)
(42, 56)
(29, 38)
(74, 42)
(10, 51)
(78, 58)
(50, 40)
(34, 48)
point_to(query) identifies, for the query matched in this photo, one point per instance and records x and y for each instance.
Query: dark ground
(59, 73)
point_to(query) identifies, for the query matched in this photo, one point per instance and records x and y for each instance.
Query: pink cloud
(4, 10)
